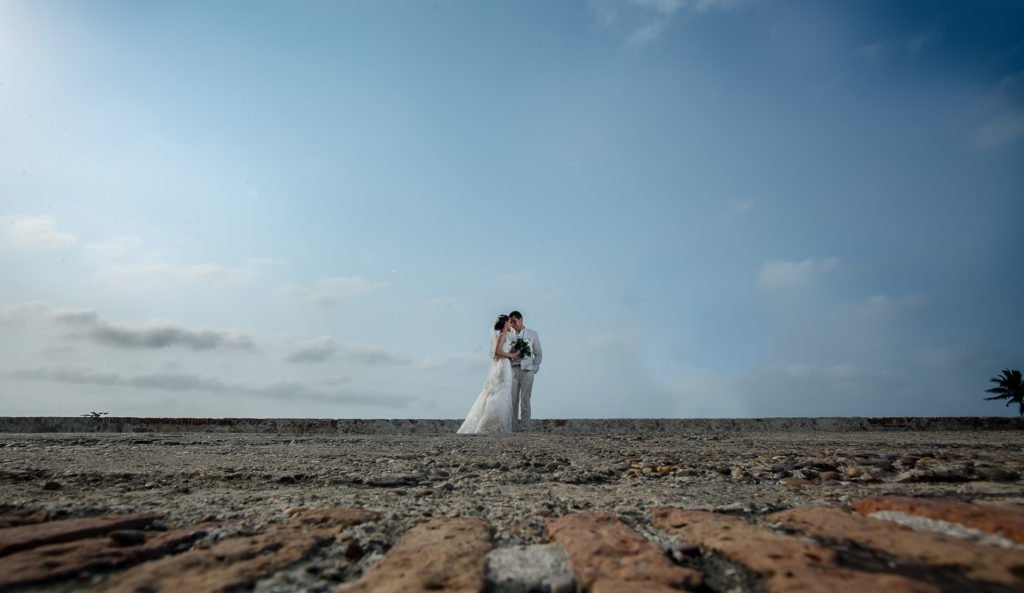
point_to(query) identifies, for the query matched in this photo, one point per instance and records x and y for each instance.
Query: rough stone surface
(13, 516)
(786, 563)
(977, 562)
(440, 555)
(13, 539)
(607, 555)
(1005, 521)
(56, 561)
(239, 486)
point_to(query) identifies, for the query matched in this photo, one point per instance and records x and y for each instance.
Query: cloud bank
(89, 325)
(326, 348)
(185, 382)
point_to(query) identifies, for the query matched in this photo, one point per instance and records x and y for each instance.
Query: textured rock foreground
(929, 511)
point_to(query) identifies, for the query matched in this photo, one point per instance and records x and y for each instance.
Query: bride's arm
(499, 346)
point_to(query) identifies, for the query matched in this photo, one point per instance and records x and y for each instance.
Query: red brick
(607, 555)
(65, 560)
(984, 563)
(25, 537)
(441, 555)
(1005, 521)
(236, 563)
(787, 564)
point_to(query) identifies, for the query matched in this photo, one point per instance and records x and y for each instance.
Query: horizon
(706, 208)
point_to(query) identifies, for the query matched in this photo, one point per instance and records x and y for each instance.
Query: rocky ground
(612, 512)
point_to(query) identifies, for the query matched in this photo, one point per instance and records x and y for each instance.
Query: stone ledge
(329, 426)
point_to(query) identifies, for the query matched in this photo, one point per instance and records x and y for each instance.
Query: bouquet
(523, 347)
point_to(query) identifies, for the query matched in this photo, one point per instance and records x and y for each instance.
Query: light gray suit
(523, 371)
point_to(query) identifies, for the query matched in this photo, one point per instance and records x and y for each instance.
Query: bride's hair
(499, 324)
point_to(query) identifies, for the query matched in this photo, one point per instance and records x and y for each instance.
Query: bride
(492, 410)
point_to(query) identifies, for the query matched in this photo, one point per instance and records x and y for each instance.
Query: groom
(523, 370)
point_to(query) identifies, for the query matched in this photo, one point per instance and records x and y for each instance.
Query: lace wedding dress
(492, 410)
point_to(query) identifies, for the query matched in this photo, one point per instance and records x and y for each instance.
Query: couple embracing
(517, 357)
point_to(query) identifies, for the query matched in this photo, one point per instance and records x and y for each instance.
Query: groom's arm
(538, 354)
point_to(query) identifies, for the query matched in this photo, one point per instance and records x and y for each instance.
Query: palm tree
(1009, 387)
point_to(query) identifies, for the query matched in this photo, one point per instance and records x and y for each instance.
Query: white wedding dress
(492, 410)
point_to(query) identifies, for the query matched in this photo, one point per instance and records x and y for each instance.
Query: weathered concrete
(525, 569)
(329, 426)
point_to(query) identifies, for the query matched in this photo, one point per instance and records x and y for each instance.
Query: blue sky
(706, 208)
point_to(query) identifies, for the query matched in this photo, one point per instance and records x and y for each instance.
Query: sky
(705, 208)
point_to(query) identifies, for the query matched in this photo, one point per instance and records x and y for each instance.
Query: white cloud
(801, 370)
(673, 6)
(643, 21)
(369, 354)
(884, 304)
(782, 274)
(117, 247)
(148, 275)
(738, 208)
(314, 350)
(33, 232)
(1012, 85)
(873, 51)
(905, 47)
(327, 348)
(647, 32)
(1001, 130)
(23, 313)
(467, 361)
(115, 263)
(1001, 109)
(89, 325)
(918, 43)
(330, 290)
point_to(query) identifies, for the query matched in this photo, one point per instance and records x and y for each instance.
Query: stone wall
(320, 426)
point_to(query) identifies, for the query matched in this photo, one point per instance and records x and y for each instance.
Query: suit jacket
(532, 363)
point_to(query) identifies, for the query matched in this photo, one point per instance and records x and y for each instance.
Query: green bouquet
(523, 347)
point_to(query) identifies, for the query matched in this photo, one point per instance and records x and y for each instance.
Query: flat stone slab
(441, 555)
(525, 569)
(983, 563)
(787, 564)
(25, 537)
(608, 556)
(1005, 521)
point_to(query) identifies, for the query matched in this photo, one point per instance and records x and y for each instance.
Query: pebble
(353, 550)
(127, 537)
(996, 474)
(796, 481)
